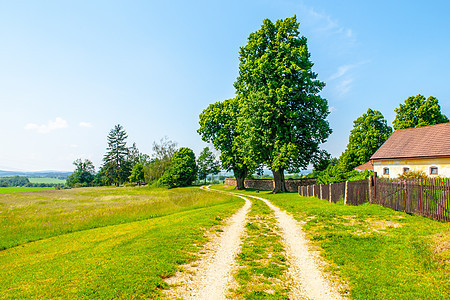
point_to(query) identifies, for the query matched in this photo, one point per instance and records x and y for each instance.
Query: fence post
(320, 193)
(370, 188)
(314, 187)
(404, 195)
(421, 196)
(346, 193)
(375, 187)
(329, 188)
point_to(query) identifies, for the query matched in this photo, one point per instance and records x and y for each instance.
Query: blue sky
(71, 70)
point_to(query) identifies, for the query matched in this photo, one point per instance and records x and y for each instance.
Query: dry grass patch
(440, 244)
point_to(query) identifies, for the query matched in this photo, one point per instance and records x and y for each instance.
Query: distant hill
(38, 174)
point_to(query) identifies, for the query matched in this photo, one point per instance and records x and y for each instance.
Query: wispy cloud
(59, 123)
(342, 70)
(344, 87)
(344, 77)
(326, 24)
(86, 124)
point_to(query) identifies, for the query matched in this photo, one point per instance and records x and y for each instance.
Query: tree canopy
(418, 112)
(137, 173)
(83, 174)
(218, 125)
(283, 117)
(369, 132)
(182, 171)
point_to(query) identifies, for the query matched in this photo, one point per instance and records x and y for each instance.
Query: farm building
(424, 149)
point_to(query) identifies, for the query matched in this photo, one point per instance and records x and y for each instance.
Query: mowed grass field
(379, 252)
(102, 243)
(23, 189)
(46, 180)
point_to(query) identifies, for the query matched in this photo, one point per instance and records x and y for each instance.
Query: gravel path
(211, 276)
(308, 280)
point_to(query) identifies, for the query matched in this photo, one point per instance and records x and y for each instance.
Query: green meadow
(379, 252)
(102, 243)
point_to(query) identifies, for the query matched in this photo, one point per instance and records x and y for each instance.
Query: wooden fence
(426, 197)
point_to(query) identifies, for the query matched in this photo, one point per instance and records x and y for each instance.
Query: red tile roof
(422, 142)
(366, 166)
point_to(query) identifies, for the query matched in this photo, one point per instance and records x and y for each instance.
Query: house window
(385, 171)
(405, 169)
(433, 170)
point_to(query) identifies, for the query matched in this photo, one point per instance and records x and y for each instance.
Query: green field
(22, 189)
(379, 252)
(102, 243)
(47, 180)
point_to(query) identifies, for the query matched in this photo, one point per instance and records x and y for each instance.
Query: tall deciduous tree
(207, 164)
(116, 165)
(283, 118)
(218, 125)
(369, 132)
(418, 112)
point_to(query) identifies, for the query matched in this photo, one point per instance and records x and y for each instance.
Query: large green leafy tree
(418, 112)
(218, 125)
(207, 164)
(116, 165)
(283, 118)
(83, 174)
(182, 171)
(369, 132)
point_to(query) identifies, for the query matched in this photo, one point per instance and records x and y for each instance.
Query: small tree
(137, 173)
(182, 171)
(207, 164)
(418, 112)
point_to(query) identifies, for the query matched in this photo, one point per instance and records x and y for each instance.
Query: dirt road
(212, 276)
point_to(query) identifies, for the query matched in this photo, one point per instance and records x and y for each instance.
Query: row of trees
(168, 166)
(370, 131)
(277, 119)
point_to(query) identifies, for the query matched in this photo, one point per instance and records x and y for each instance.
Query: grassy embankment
(262, 261)
(381, 253)
(144, 234)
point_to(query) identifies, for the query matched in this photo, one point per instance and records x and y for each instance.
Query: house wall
(396, 166)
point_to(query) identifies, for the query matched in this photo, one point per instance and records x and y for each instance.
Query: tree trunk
(240, 183)
(278, 180)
